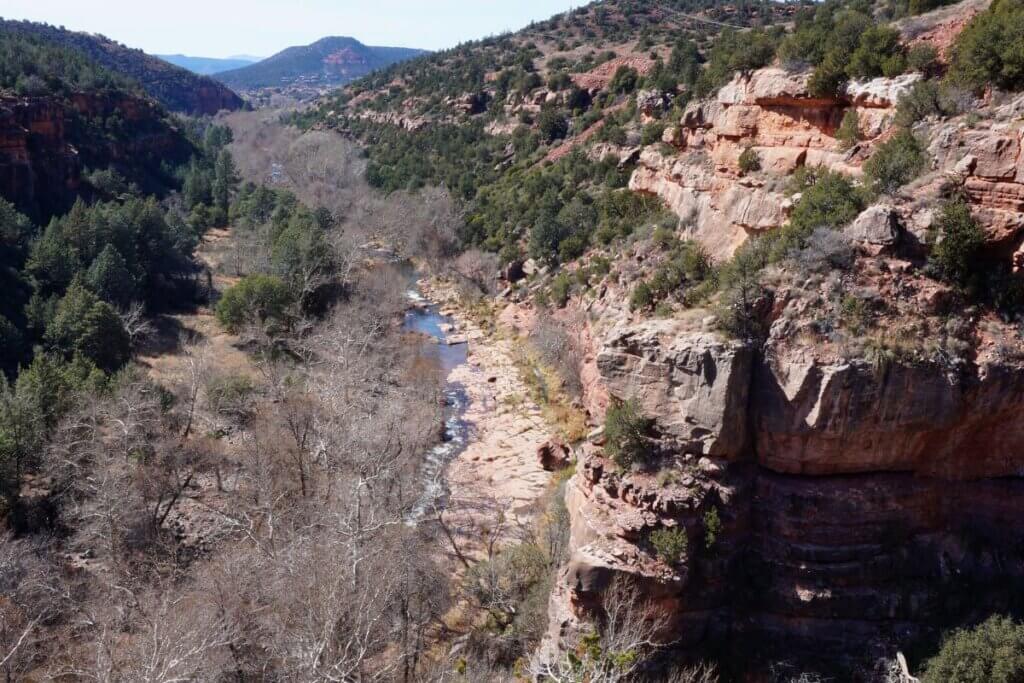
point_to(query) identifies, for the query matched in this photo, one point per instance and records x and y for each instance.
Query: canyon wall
(46, 144)
(35, 159)
(867, 502)
(770, 112)
(862, 511)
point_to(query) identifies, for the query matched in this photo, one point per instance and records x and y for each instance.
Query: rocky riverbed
(494, 480)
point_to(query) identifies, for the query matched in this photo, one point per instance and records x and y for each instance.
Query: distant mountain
(176, 88)
(329, 61)
(206, 66)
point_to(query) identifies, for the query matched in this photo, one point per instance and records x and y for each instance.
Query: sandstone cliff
(46, 143)
(771, 112)
(36, 162)
(868, 485)
(861, 510)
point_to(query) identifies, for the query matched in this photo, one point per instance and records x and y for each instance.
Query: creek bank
(494, 480)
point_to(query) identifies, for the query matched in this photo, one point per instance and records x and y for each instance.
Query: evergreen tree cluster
(34, 67)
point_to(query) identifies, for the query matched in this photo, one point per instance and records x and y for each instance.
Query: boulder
(996, 154)
(701, 114)
(737, 122)
(651, 102)
(673, 136)
(881, 93)
(696, 384)
(554, 455)
(771, 86)
(875, 230)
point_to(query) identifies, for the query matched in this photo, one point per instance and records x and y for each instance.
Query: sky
(221, 28)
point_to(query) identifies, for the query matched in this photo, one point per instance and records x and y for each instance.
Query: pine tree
(86, 326)
(225, 181)
(108, 277)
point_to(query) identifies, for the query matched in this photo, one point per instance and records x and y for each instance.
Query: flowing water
(424, 318)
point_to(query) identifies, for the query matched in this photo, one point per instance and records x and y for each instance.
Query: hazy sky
(218, 28)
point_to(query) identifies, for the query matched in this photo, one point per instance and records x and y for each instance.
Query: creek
(424, 318)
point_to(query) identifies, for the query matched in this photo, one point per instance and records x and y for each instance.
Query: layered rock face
(771, 112)
(987, 163)
(45, 144)
(36, 162)
(862, 509)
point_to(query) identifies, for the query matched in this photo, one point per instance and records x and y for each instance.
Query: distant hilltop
(330, 61)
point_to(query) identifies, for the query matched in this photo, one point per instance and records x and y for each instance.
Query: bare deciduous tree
(628, 631)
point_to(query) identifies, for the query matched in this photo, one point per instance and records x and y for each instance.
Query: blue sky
(215, 28)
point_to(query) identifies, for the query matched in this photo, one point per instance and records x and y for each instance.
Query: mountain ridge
(206, 66)
(332, 60)
(175, 88)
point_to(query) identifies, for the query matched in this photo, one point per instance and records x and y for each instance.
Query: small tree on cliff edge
(626, 434)
(992, 652)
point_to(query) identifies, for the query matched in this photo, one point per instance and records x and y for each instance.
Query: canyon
(438, 369)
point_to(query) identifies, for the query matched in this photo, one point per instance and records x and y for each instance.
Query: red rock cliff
(868, 499)
(46, 143)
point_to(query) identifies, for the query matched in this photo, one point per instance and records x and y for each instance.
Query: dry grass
(547, 390)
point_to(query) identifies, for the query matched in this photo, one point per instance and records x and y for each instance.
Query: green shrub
(613, 133)
(923, 58)
(262, 299)
(842, 41)
(988, 50)
(600, 266)
(83, 325)
(712, 527)
(652, 133)
(848, 133)
(642, 297)
(664, 237)
(561, 287)
(896, 162)
(956, 256)
(749, 160)
(828, 77)
(992, 652)
(108, 277)
(736, 51)
(686, 267)
(546, 236)
(878, 53)
(626, 434)
(552, 125)
(927, 98)
(829, 201)
(624, 81)
(855, 314)
(669, 544)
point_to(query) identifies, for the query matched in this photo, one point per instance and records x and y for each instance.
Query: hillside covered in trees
(174, 87)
